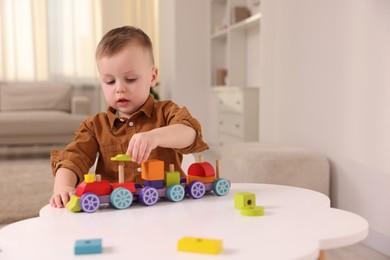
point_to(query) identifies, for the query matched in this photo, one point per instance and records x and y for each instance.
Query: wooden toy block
(244, 199)
(99, 188)
(252, 211)
(172, 178)
(200, 245)
(127, 185)
(155, 184)
(210, 179)
(152, 170)
(121, 158)
(89, 246)
(73, 204)
(203, 169)
(89, 178)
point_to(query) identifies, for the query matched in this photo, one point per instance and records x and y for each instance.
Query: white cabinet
(234, 71)
(237, 114)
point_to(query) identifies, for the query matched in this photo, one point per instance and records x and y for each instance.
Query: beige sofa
(276, 164)
(40, 113)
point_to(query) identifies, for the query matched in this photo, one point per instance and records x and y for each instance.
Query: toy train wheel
(121, 198)
(148, 196)
(196, 189)
(221, 187)
(89, 202)
(175, 192)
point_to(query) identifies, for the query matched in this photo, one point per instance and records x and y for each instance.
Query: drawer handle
(238, 102)
(220, 122)
(237, 125)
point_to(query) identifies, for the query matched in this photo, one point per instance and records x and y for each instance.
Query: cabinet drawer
(225, 140)
(231, 101)
(231, 124)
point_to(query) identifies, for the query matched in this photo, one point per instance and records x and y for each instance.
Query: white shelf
(250, 21)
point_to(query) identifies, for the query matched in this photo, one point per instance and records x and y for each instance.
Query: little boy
(134, 122)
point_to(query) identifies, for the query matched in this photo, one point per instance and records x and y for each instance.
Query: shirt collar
(146, 108)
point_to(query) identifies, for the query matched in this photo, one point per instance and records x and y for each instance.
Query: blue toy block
(88, 246)
(155, 184)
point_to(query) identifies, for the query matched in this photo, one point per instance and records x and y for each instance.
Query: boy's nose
(120, 88)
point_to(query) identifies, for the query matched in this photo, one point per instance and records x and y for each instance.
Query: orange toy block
(153, 170)
(202, 179)
(203, 169)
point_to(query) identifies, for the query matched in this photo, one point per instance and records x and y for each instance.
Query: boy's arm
(64, 184)
(175, 136)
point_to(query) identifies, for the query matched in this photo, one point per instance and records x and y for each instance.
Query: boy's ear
(154, 76)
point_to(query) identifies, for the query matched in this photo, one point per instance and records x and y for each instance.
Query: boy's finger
(58, 202)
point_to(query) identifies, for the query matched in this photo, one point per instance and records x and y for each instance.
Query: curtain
(56, 39)
(23, 40)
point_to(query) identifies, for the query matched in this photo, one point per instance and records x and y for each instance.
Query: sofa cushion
(33, 123)
(35, 96)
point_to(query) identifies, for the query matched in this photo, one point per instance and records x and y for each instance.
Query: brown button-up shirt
(108, 135)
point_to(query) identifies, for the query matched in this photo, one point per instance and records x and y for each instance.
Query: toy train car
(201, 178)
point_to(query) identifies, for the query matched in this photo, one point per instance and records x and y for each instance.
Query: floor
(354, 252)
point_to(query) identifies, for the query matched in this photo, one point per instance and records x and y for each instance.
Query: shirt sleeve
(176, 115)
(79, 155)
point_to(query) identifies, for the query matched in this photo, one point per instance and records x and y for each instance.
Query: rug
(25, 187)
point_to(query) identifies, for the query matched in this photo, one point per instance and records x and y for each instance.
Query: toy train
(201, 178)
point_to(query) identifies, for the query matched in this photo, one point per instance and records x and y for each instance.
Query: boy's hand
(175, 136)
(61, 196)
(64, 184)
(141, 145)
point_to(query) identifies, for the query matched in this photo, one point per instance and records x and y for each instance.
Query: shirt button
(131, 123)
(139, 169)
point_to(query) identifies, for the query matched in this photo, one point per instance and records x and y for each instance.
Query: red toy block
(127, 185)
(203, 169)
(99, 188)
(152, 170)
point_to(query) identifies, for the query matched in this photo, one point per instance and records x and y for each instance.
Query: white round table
(297, 224)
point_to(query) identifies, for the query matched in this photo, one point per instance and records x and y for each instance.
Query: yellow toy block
(121, 157)
(152, 170)
(244, 199)
(89, 178)
(252, 211)
(73, 204)
(200, 245)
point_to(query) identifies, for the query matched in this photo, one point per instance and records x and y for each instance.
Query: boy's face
(126, 78)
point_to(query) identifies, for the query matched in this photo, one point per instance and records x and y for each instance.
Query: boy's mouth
(122, 101)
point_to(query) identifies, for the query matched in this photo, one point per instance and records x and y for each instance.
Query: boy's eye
(111, 82)
(130, 80)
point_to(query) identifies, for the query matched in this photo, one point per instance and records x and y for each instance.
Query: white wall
(184, 55)
(326, 86)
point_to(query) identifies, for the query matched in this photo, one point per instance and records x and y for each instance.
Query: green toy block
(121, 157)
(172, 178)
(252, 211)
(73, 204)
(244, 199)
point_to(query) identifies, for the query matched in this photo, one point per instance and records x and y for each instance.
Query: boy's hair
(116, 39)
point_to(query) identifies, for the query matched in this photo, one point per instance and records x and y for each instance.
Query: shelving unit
(234, 50)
